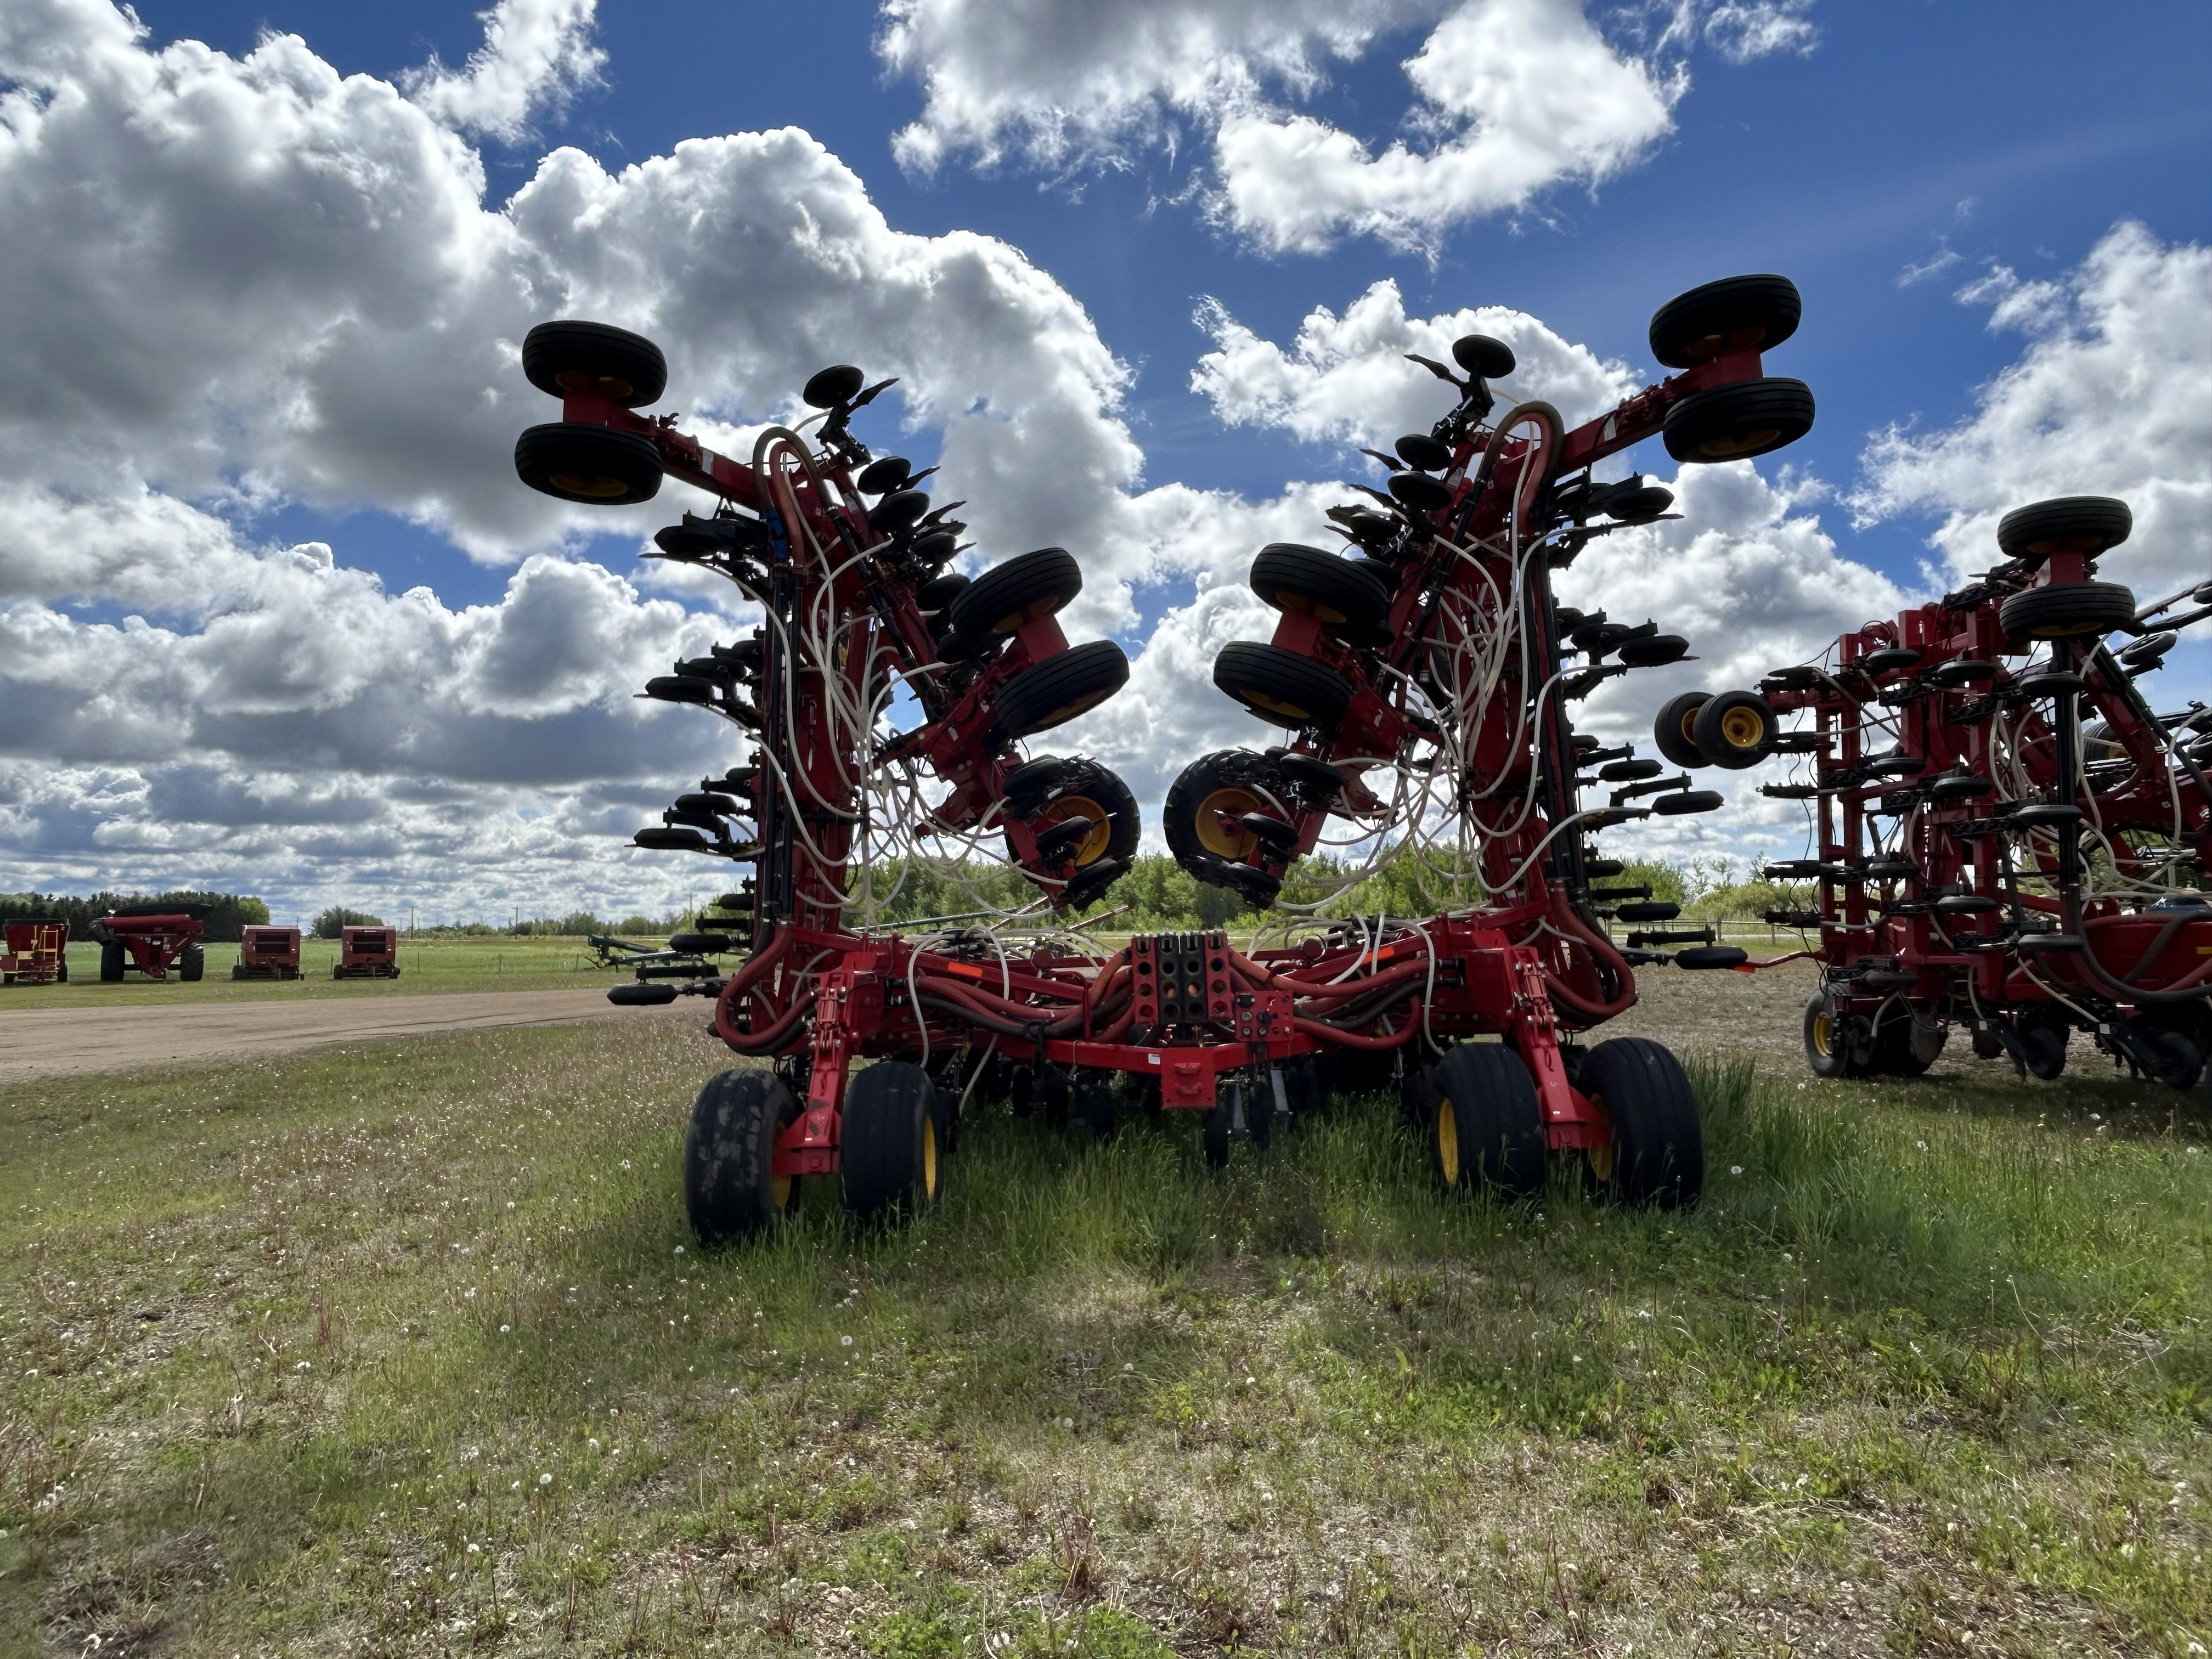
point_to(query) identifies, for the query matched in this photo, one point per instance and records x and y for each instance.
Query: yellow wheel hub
(1447, 1143)
(1824, 1034)
(607, 385)
(1233, 801)
(1741, 443)
(929, 1157)
(1092, 846)
(1743, 728)
(778, 1191)
(595, 484)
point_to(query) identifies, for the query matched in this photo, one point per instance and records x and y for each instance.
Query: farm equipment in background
(1451, 603)
(1983, 859)
(267, 953)
(368, 953)
(37, 952)
(651, 962)
(150, 939)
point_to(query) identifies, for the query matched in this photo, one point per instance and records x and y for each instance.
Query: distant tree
(637, 928)
(332, 922)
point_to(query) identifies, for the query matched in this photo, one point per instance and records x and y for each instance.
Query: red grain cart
(36, 952)
(151, 939)
(268, 953)
(368, 953)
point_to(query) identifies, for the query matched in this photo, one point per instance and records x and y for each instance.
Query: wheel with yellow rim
(1282, 687)
(1658, 1152)
(574, 359)
(1736, 422)
(1084, 789)
(1019, 591)
(1054, 691)
(1206, 800)
(1335, 592)
(1829, 1049)
(889, 1140)
(730, 1189)
(597, 465)
(1484, 1126)
(1735, 730)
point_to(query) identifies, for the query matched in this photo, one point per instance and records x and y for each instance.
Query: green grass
(529, 963)
(404, 1348)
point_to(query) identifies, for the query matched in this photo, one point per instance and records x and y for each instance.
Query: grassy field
(529, 963)
(404, 1349)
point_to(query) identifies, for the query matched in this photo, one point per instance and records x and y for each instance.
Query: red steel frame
(816, 994)
(1957, 922)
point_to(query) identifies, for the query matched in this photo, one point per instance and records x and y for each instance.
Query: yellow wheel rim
(1743, 728)
(1601, 1158)
(1275, 705)
(1081, 806)
(1689, 719)
(1306, 605)
(778, 1189)
(582, 380)
(1823, 1034)
(1068, 711)
(929, 1157)
(1012, 620)
(1741, 443)
(597, 485)
(1447, 1143)
(1217, 838)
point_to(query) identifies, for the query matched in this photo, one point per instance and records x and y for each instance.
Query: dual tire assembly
(1483, 1126)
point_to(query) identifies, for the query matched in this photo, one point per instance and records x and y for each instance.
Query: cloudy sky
(276, 616)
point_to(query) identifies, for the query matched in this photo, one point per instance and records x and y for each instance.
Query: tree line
(228, 914)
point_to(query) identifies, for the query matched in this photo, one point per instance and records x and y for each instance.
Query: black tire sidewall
(889, 1107)
(1316, 696)
(1658, 1142)
(1497, 1120)
(982, 610)
(1786, 406)
(562, 446)
(1061, 688)
(1667, 735)
(729, 1149)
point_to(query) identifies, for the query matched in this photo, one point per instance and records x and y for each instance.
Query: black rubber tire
(1282, 687)
(730, 1187)
(1486, 1126)
(61, 967)
(1734, 730)
(574, 461)
(192, 964)
(2067, 610)
(1336, 592)
(1229, 780)
(888, 1143)
(1303, 1087)
(1213, 1137)
(1091, 791)
(1671, 731)
(1020, 590)
(1735, 423)
(2067, 524)
(1737, 313)
(939, 592)
(1098, 1108)
(1892, 1049)
(112, 960)
(1658, 1152)
(1710, 958)
(700, 945)
(1821, 1051)
(563, 357)
(2045, 1042)
(1057, 690)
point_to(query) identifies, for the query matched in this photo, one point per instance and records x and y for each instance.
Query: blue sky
(257, 380)
(2013, 135)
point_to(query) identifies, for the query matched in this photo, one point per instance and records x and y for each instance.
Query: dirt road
(58, 1042)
